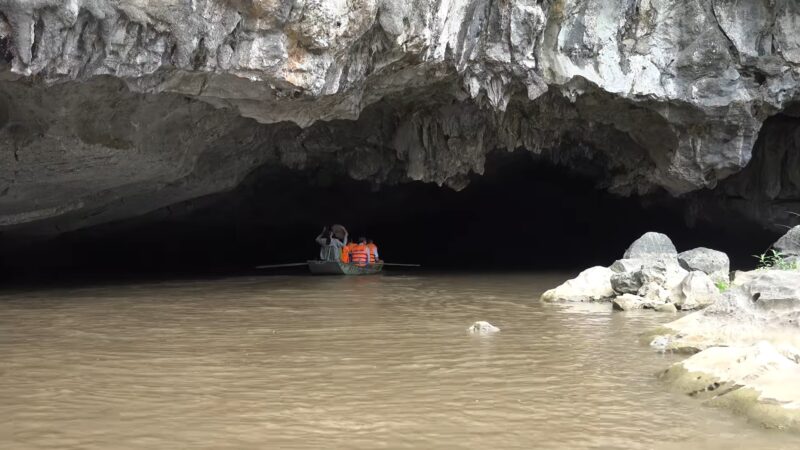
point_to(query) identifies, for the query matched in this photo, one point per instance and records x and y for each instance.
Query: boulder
(628, 302)
(650, 245)
(713, 263)
(482, 327)
(772, 289)
(626, 282)
(664, 272)
(593, 284)
(696, 291)
(789, 243)
(758, 381)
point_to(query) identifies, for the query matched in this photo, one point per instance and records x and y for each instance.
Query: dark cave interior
(523, 213)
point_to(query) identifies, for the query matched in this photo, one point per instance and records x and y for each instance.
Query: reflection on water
(373, 362)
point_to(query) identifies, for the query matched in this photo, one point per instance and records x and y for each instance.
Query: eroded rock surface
(110, 109)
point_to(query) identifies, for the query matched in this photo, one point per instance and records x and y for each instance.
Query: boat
(343, 268)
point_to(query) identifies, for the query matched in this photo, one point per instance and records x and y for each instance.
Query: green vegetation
(722, 285)
(775, 260)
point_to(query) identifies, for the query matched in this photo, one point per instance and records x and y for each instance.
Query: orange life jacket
(359, 254)
(346, 253)
(373, 251)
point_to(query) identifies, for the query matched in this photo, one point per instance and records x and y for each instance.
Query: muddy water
(375, 362)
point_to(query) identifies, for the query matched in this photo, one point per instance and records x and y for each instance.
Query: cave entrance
(522, 213)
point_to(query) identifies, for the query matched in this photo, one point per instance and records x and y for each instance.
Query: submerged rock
(482, 327)
(629, 302)
(591, 285)
(713, 263)
(651, 245)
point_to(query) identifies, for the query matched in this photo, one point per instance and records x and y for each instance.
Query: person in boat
(356, 253)
(330, 246)
(373, 251)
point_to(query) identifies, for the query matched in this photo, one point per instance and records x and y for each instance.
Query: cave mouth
(523, 213)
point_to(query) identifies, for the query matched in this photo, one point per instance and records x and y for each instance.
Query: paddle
(277, 266)
(402, 265)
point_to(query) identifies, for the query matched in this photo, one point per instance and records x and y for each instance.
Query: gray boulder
(713, 263)
(650, 245)
(626, 282)
(789, 243)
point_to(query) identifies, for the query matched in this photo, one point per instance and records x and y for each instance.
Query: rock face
(111, 109)
(591, 285)
(713, 263)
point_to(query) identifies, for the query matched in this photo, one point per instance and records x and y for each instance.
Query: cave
(524, 213)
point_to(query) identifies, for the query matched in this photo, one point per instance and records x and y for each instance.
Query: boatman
(330, 247)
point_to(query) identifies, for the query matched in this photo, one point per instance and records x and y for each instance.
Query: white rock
(627, 302)
(482, 327)
(593, 284)
(697, 291)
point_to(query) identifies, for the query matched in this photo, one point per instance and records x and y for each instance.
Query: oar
(402, 265)
(277, 266)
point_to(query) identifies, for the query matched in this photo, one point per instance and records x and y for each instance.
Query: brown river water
(371, 362)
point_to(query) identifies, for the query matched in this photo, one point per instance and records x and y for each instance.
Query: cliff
(113, 108)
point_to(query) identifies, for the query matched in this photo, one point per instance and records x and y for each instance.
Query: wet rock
(482, 327)
(651, 245)
(593, 284)
(757, 381)
(666, 307)
(789, 243)
(713, 263)
(629, 302)
(697, 290)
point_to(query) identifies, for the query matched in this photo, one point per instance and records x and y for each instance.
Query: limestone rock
(713, 263)
(651, 245)
(666, 307)
(697, 291)
(482, 327)
(774, 289)
(626, 282)
(789, 243)
(593, 284)
(628, 302)
(390, 90)
(757, 380)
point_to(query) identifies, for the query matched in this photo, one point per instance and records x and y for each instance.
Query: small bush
(775, 260)
(722, 285)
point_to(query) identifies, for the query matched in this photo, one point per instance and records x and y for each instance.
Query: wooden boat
(342, 268)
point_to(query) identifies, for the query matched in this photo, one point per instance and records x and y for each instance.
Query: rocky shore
(744, 335)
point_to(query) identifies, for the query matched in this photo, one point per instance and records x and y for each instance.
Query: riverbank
(744, 336)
